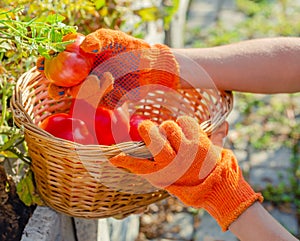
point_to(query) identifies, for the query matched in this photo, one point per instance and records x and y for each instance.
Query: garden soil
(14, 214)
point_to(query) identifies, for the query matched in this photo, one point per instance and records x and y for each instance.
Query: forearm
(269, 65)
(257, 224)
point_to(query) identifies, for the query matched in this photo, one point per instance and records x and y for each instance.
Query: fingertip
(169, 126)
(144, 129)
(190, 127)
(173, 133)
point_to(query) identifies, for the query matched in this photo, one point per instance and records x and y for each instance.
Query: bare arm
(270, 65)
(257, 224)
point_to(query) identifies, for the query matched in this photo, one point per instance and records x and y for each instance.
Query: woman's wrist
(255, 223)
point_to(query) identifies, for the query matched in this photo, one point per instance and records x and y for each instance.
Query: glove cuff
(224, 193)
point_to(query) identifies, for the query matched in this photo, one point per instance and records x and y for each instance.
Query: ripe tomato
(111, 126)
(80, 109)
(135, 120)
(108, 126)
(75, 46)
(70, 67)
(63, 126)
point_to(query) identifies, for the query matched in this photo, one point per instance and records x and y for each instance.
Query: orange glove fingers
(174, 154)
(191, 144)
(156, 142)
(134, 165)
(173, 133)
(93, 89)
(159, 66)
(186, 131)
(150, 170)
(190, 127)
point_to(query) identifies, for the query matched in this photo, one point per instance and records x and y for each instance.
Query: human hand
(189, 166)
(132, 62)
(218, 136)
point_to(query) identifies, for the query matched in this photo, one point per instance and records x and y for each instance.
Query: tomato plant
(63, 126)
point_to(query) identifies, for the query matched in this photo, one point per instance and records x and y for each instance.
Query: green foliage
(21, 41)
(36, 36)
(165, 12)
(279, 194)
(27, 191)
(268, 121)
(259, 18)
(251, 8)
(13, 149)
(287, 192)
(11, 140)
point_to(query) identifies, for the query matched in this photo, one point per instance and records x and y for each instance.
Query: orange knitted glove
(132, 62)
(189, 166)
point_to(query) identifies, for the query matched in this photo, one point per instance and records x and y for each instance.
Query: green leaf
(3, 139)
(43, 51)
(8, 154)
(54, 18)
(27, 191)
(99, 3)
(148, 14)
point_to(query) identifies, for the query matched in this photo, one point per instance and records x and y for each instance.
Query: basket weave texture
(78, 180)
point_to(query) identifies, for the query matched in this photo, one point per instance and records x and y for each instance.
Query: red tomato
(63, 126)
(75, 46)
(111, 126)
(82, 110)
(135, 120)
(70, 67)
(108, 126)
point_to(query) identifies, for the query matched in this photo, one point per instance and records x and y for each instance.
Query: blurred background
(264, 129)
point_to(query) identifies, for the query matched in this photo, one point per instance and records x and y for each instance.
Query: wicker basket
(78, 180)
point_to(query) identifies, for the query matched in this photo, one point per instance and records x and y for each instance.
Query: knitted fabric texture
(190, 167)
(133, 63)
